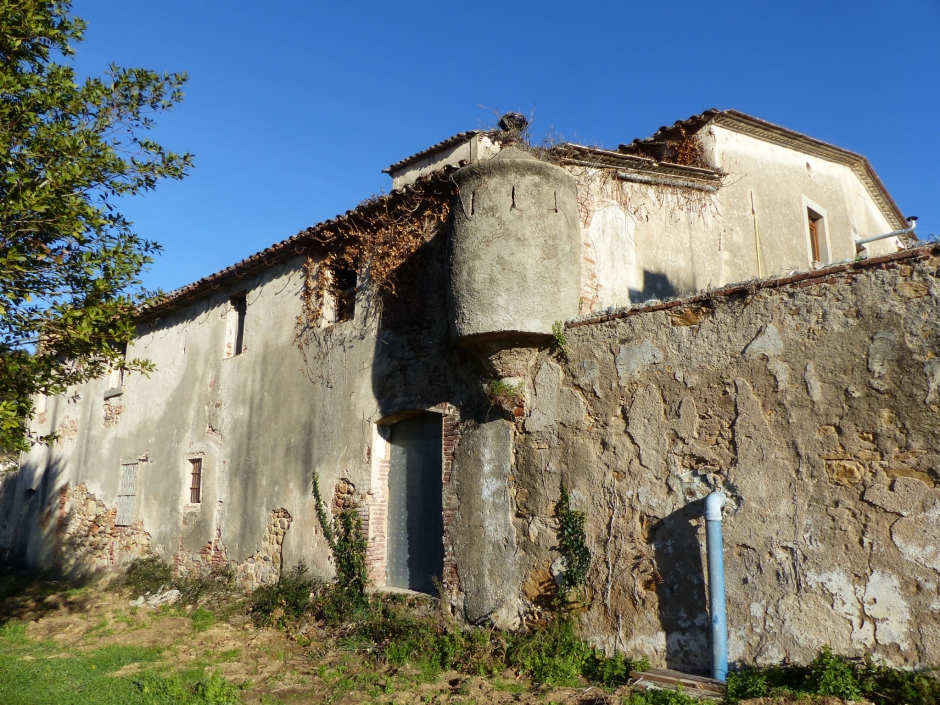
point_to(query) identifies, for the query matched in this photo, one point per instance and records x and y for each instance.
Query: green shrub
(558, 337)
(347, 594)
(837, 676)
(611, 671)
(553, 654)
(172, 689)
(199, 587)
(832, 675)
(503, 394)
(349, 555)
(147, 575)
(202, 619)
(287, 600)
(890, 686)
(662, 697)
(572, 542)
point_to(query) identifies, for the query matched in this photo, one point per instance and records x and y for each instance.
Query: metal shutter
(127, 492)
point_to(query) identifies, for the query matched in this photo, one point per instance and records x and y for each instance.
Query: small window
(195, 484)
(817, 237)
(344, 292)
(240, 305)
(235, 325)
(116, 373)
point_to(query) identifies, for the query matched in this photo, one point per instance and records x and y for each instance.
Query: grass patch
(203, 619)
(661, 697)
(42, 673)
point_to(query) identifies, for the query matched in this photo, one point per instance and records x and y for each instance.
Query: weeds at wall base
(398, 642)
(837, 676)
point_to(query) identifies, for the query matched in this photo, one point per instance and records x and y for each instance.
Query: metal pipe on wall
(859, 244)
(716, 585)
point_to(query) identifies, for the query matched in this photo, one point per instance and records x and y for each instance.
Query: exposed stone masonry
(263, 568)
(86, 538)
(812, 402)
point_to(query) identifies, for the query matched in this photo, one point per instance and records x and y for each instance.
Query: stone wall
(86, 540)
(86, 537)
(262, 568)
(813, 402)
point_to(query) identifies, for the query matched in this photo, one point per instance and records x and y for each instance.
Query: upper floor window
(116, 374)
(344, 293)
(817, 237)
(235, 325)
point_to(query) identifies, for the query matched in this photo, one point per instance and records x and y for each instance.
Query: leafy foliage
(501, 393)
(558, 337)
(555, 655)
(286, 601)
(206, 587)
(348, 546)
(661, 697)
(572, 542)
(837, 676)
(69, 261)
(147, 575)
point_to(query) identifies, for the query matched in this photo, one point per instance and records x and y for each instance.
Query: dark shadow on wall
(416, 364)
(29, 514)
(656, 285)
(29, 569)
(683, 603)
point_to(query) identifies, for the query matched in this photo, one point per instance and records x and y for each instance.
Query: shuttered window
(127, 495)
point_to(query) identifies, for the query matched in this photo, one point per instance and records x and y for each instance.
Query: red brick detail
(375, 515)
(451, 431)
(375, 524)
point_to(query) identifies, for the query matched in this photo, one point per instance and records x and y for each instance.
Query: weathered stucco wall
(815, 407)
(642, 241)
(198, 404)
(263, 423)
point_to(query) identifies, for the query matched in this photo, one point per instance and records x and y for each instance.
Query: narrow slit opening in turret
(513, 197)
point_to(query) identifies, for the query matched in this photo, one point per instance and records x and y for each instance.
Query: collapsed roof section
(668, 157)
(671, 144)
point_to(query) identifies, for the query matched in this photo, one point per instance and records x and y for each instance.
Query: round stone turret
(515, 250)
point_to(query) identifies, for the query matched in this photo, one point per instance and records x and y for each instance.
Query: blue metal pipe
(716, 585)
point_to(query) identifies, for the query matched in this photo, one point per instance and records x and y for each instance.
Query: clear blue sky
(294, 108)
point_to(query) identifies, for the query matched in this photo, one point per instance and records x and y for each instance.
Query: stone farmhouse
(698, 310)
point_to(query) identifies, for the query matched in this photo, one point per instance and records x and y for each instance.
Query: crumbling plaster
(263, 422)
(812, 407)
(200, 404)
(642, 242)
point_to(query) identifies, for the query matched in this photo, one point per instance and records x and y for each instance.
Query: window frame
(196, 473)
(816, 223)
(236, 315)
(344, 300)
(128, 482)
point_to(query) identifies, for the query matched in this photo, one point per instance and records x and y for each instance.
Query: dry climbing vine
(373, 240)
